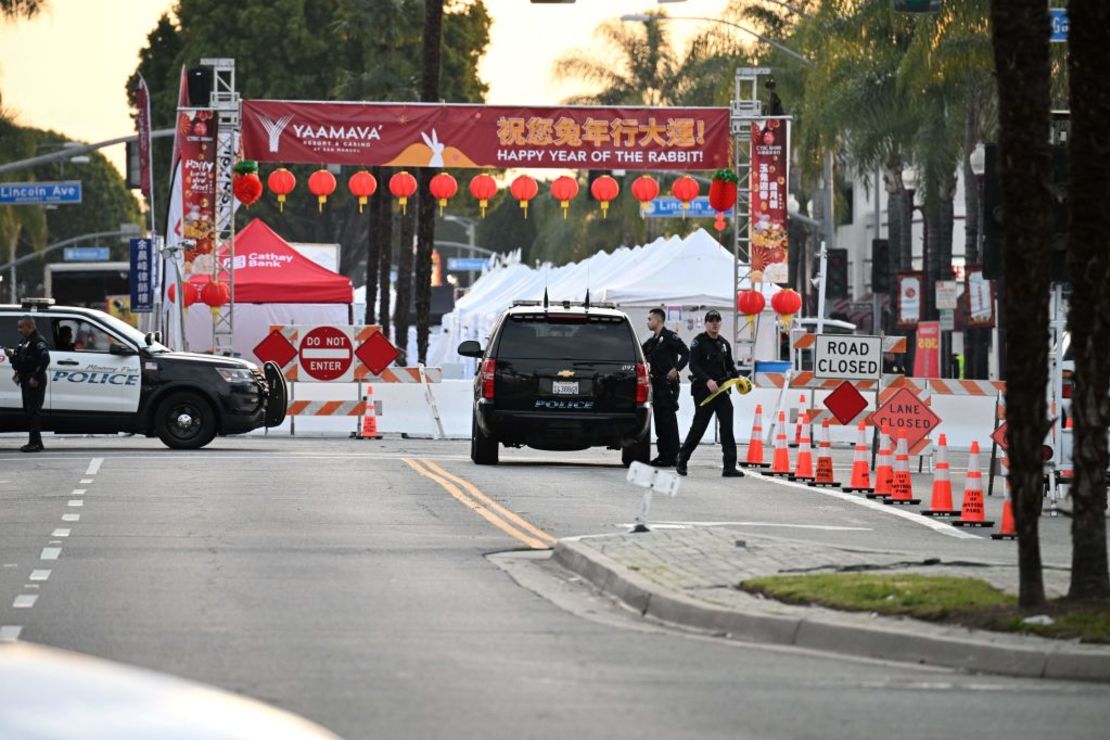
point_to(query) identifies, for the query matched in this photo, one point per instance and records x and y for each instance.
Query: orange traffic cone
(884, 466)
(1007, 530)
(824, 460)
(1066, 476)
(941, 502)
(861, 471)
(780, 465)
(755, 444)
(971, 512)
(368, 422)
(902, 486)
(802, 411)
(803, 469)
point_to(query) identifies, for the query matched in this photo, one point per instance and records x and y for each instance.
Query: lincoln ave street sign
(848, 357)
(39, 193)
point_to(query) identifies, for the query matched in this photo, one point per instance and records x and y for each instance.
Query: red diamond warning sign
(906, 412)
(275, 348)
(377, 353)
(326, 353)
(845, 402)
(999, 436)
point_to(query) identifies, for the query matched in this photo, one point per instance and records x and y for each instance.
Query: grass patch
(967, 601)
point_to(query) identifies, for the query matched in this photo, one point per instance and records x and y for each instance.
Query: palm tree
(1089, 316)
(426, 214)
(1020, 32)
(21, 8)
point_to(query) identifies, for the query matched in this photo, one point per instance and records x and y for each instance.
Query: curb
(650, 599)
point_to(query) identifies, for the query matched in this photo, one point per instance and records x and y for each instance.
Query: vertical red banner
(926, 358)
(196, 134)
(142, 102)
(769, 188)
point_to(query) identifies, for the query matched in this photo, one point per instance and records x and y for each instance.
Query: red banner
(769, 188)
(434, 135)
(142, 123)
(196, 135)
(926, 357)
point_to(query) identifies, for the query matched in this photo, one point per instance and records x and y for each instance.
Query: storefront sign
(909, 299)
(926, 358)
(980, 299)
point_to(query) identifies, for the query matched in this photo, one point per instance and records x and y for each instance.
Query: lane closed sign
(847, 357)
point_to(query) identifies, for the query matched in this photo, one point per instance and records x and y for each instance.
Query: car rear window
(537, 337)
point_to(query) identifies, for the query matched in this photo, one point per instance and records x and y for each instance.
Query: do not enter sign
(326, 353)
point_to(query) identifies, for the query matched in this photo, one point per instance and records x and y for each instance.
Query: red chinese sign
(906, 412)
(926, 356)
(435, 135)
(769, 188)
(196, 135)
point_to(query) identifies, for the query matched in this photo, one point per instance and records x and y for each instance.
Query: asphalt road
(350, 582)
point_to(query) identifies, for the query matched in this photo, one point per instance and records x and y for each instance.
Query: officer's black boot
(680, 466)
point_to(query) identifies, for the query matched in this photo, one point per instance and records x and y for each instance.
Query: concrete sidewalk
(688, 577)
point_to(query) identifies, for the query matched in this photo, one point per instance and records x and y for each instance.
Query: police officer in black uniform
(711, 365)
(30, 361)
(666, 355)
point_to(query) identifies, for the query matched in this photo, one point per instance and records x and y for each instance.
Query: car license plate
(565, 387)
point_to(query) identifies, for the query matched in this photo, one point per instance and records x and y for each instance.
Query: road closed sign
(847, 357)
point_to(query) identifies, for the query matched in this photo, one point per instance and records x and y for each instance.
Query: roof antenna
(545, 294)
(587, 302)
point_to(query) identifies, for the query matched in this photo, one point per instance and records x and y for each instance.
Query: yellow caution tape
(742, 386)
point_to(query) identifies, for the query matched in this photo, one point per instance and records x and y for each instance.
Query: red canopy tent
(268, 270)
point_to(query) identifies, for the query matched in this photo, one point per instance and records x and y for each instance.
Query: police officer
(30, 361)
(666, 355)
(711, 365)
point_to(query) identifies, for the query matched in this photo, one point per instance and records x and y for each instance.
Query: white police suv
(107, 377)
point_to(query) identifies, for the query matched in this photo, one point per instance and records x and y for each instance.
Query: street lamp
(644, 18)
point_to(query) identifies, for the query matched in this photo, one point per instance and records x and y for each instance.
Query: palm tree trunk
(403, 316)
(1020, 39)
(974, 347)
(1089, 315)
(385, 264)
(426, 228)
(373, 246)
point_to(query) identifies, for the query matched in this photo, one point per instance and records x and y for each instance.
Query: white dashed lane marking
(94, 466)
(25, 601)
(78, 492)
(40, 575)
(71, 517)
(61, 532)
(86, 480)
(75, 502)
(50, 553)
(10, 632)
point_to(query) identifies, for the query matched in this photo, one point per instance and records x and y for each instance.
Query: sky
(66, 69)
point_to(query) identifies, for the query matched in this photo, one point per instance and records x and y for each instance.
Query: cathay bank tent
(274, 284)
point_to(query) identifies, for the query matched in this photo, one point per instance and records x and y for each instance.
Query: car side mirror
(470, 348)
(121, 349)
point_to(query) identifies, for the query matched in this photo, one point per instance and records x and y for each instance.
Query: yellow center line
(470, 503)
(476, 493)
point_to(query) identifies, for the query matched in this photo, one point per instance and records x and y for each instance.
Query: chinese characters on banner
(769, 188)
(909, 299)
(142, 276)
(196, 134)
(926, 358)
(980, 299)
(485, 136)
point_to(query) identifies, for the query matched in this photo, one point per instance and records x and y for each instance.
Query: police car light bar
(567, 304)
(33, 303)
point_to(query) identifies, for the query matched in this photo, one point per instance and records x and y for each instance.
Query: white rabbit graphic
(436, 147)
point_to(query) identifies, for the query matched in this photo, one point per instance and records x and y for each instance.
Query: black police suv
(106, 376)
(560, 377)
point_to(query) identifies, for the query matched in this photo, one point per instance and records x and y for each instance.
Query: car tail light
(643, 383)
(489, 368)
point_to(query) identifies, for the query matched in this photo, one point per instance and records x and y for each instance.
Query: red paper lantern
(604, 189)
(644, 189)
(564, 190)
(722, 190)
(443, 187)
(786, 303)
(215, 294)
(685, 189)
(402, 185)
(483, 188)
(321, 183)
(281, 183)
(362, 185)
(750, 303)
(247, 188)
(524, 189)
